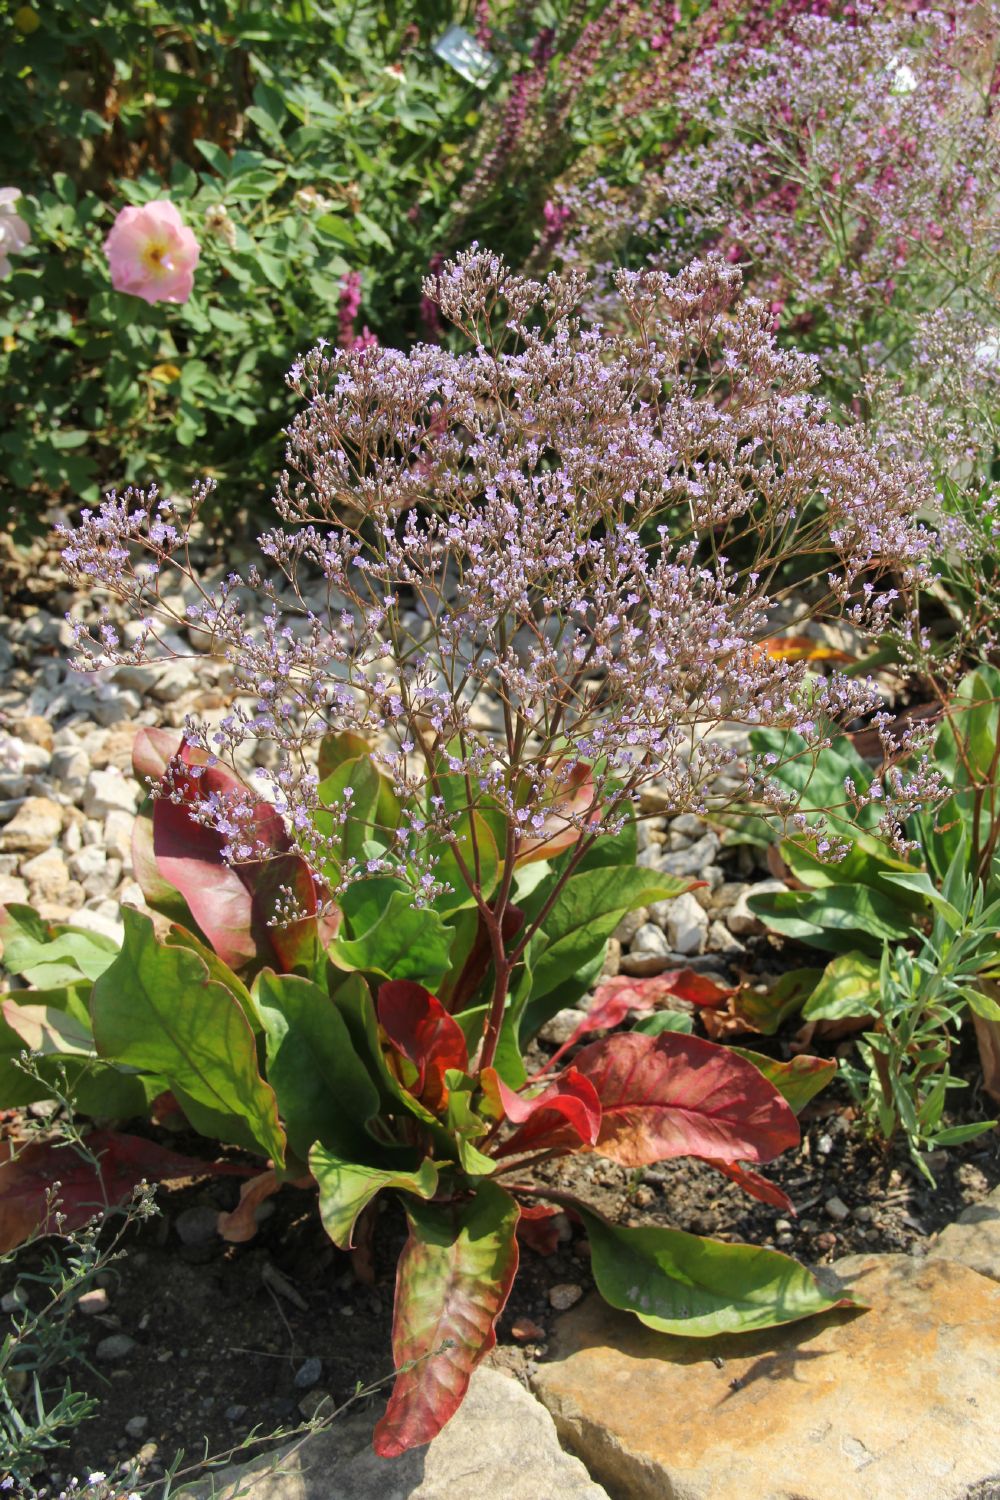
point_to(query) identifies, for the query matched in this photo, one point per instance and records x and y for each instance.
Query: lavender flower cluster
(850, 166)
(539, 572)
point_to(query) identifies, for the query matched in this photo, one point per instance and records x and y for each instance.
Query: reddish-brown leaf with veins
(565, 1115)
(30, 1170)
(673, 1095)
(420, 1028)
(233, 906)
(622, 996)
(537, 1228)
(452, 1282)
(752, 1183)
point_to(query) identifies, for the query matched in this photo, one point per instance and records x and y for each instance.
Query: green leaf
(48, 954)
(95, 1088)
(798, 1080)
(347, 1187)
(957, 1135)
(453, 1280)
(837, 919)
(449, 871)
(818, 778)
(465, 1126)
(158, 1009)
(215, 156)
(373, 231)
(352, 788)
(982, 1005)
(921, 884)
(323, 1089)
(865, 863)
(405, 943)
(49, 1030)
(673, 1020)
(182, 937)
(338, 229)
(586, 913)
(682, 1284)
(849, 987)
(766, 1010)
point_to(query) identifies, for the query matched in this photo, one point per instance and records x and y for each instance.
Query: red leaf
(537, 1228)
(234, 907)
(25, 1180)
(754, 1184)
(420, 1028)
(152, 751)
(619, 997)
(294, 944)
(566, 1114)
(452, 1282)
(673, 1095)
(189, 857)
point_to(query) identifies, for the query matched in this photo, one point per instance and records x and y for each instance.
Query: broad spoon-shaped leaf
(453, 1280)
(680, 1283)
(157, 1008)
(674, 1095)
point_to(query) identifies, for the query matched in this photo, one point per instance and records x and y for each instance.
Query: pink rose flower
(152, 253)
(14, 232)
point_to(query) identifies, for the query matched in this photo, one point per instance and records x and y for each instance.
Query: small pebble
(826, 1241)
(837, 1209)
(12, 1302)
(93, 1302)
(115, 1346)
(235, 1413)
(308, 1373)
(197, 1225)
(565, 1295)
(135, 1427)
(316, 1404)
(526, 1331)
(824, 1145)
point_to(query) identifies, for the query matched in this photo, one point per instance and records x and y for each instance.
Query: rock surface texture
(901, 1402)
(974, 1238)
(501, 1445)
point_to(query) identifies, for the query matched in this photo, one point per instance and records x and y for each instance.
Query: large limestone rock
(898, 1403)
(974, 1238)
(500, 1445)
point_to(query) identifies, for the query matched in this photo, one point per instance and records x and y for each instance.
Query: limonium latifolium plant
(512, 585)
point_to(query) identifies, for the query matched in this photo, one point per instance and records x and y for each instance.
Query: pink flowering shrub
(152, 254)
(14, 232)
